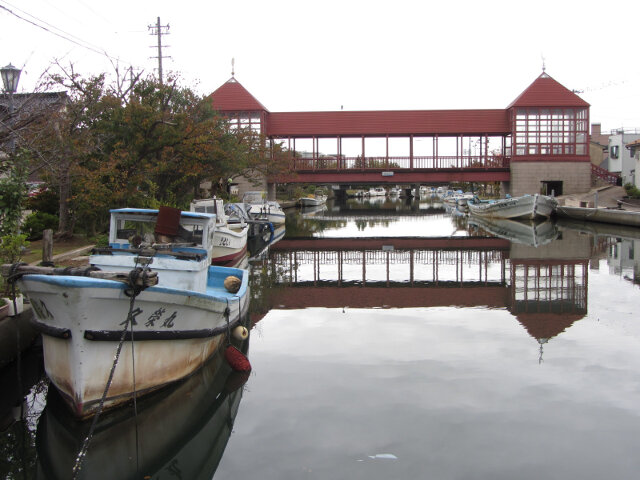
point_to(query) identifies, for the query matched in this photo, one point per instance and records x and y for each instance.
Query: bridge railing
(408, 163)
(606, 175)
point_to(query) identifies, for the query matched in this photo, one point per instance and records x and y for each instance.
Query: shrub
(37, 222)
(11, 249)
(101, 240)
(632, 190)
(46, 200)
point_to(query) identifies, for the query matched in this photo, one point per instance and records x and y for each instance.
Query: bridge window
(544, 131)
(245, 120)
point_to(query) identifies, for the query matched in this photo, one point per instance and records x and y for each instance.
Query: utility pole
(159, 31)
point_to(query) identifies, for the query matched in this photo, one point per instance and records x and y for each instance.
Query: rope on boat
(133, 291)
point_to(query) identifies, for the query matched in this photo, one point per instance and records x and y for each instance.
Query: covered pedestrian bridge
(539, 142)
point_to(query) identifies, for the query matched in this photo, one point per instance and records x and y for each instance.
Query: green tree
(13, 193)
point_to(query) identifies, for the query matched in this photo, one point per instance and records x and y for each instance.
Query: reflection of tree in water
(370, 223)
(298, 226)
(18, 442)
(263, 284)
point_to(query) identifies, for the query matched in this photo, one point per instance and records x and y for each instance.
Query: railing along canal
(404, 163)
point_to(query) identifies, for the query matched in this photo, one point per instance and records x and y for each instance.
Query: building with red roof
(542, 136)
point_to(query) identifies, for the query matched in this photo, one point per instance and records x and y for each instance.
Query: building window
(614, 151)
(245, 121)
(545, 131)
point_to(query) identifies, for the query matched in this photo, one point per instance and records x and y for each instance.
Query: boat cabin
(178, 247)
(130, 227)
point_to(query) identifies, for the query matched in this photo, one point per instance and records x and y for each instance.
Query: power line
(64, 35)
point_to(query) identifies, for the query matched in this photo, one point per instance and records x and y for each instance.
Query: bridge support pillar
(271, 191)
(416, 188)
(341, 194)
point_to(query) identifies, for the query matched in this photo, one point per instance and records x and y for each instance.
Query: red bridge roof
(543, 92)
(233, 97)
(546, 92)
(394, 122)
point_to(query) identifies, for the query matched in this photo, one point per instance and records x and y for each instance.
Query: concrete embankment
(605, 205)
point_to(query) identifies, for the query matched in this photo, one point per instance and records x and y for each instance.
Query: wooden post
(47, 247)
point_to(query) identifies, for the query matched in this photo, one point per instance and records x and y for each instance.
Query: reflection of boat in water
(524, 232)
(598, 229)
(259, 244)
(178, 432)
(313, 211)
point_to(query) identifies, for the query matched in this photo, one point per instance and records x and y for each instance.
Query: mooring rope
(135, 395)
(11, 279)
(132, 293)
(227, 314)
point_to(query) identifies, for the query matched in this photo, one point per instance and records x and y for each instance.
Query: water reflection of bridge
(427, 272)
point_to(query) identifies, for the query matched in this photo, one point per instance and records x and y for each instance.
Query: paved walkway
(70, 255)
(603, 197)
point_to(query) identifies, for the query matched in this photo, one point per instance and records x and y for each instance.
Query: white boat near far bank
(525, 207)
(259, 208)
(377, 192)
(229, 239)
(314, 200)
(604, 215)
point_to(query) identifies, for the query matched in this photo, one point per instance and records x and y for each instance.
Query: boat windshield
(127, 229)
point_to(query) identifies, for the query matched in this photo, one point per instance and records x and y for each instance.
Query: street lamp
(10, 77)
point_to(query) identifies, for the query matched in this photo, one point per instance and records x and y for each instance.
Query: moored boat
(184, 428)
(316, 199)
(604, 215)
(377, 192)
(173, 326)
(525, 207)
(229, 239)
(259, 208)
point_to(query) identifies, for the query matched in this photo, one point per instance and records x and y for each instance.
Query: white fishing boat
(317, 198)
(229, 238)
(526, 207)
(377, 192)
(259, 208)
(157, 335)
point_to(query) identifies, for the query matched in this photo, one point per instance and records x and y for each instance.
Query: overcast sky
(296, 55)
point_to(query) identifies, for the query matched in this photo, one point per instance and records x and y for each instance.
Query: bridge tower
(550, 140)
(243, 111)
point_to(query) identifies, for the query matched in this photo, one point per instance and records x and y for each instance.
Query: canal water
(391, 339)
